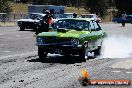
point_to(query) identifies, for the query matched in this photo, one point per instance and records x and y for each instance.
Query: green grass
(7, 23)
(75, 10)
(19, 8)
(23, 8)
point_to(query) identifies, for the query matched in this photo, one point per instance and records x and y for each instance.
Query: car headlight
(40, 40)
(74, 41)
(19, 23)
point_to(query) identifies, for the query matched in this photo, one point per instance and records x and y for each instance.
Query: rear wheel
(34, 29)
(41, 53)
(97, 51)
(66, 54)
(22, 28)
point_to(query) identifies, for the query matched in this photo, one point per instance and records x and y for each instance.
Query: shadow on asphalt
(60, 59)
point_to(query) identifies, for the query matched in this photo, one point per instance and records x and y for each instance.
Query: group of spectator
(47, 20)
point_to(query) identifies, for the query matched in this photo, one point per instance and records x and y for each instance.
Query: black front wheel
(97, 51)
(34, 29)
(83, 55)
(22, 28)
(41, 53)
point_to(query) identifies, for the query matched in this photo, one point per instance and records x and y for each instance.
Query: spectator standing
(124, 18)
(47, 20)
(74, 15)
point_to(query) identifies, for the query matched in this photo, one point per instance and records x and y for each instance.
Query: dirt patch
(7, 24)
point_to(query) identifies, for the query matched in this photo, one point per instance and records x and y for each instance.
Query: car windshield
(34, 16)
(72, 24)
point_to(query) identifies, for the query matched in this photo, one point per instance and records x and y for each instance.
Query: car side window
(94, 26)
(97, 27)
(91, 26)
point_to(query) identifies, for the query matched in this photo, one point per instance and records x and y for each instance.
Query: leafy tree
(4, 6)
(98, 7)
(40, 2)
(124, 5)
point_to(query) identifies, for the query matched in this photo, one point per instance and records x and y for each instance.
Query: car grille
(28, 23)
(56, 40)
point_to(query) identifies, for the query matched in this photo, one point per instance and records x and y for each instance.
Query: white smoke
(117, 47)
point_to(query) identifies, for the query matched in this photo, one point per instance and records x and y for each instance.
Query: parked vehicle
(55, 10)
(120, 20)
(65, 15)
(92, 16)
(71, 36)
(30, 22)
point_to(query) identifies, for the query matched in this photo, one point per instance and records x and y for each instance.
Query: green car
(71, 36)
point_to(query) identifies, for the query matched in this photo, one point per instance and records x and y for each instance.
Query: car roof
(86, 19)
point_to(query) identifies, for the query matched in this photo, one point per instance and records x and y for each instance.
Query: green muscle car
(71, 36)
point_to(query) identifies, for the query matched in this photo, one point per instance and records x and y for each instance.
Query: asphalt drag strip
(28, 71)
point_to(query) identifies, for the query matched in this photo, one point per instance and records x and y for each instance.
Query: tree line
(98, 7)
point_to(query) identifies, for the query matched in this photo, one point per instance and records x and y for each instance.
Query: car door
(96, 34)
(96, 30)
(128, 19)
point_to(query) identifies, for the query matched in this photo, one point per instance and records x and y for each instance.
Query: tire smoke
(117, 47)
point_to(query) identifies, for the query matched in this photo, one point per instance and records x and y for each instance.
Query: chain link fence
(12, 17)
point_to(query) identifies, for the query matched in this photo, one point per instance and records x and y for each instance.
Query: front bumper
(28, 25)
(60, 49)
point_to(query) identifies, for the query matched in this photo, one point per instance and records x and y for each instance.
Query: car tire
(115, 22)
(22, 28)
(41, 53)
(97, 52)
(66, 54)
(83, 55)
(35, 29)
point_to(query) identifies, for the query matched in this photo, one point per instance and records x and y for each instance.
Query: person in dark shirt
(48, 19)
(74, 15)
(44, 24)
(124, 18)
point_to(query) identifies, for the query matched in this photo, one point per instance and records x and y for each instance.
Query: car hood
(28, 20)
(71, 34)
